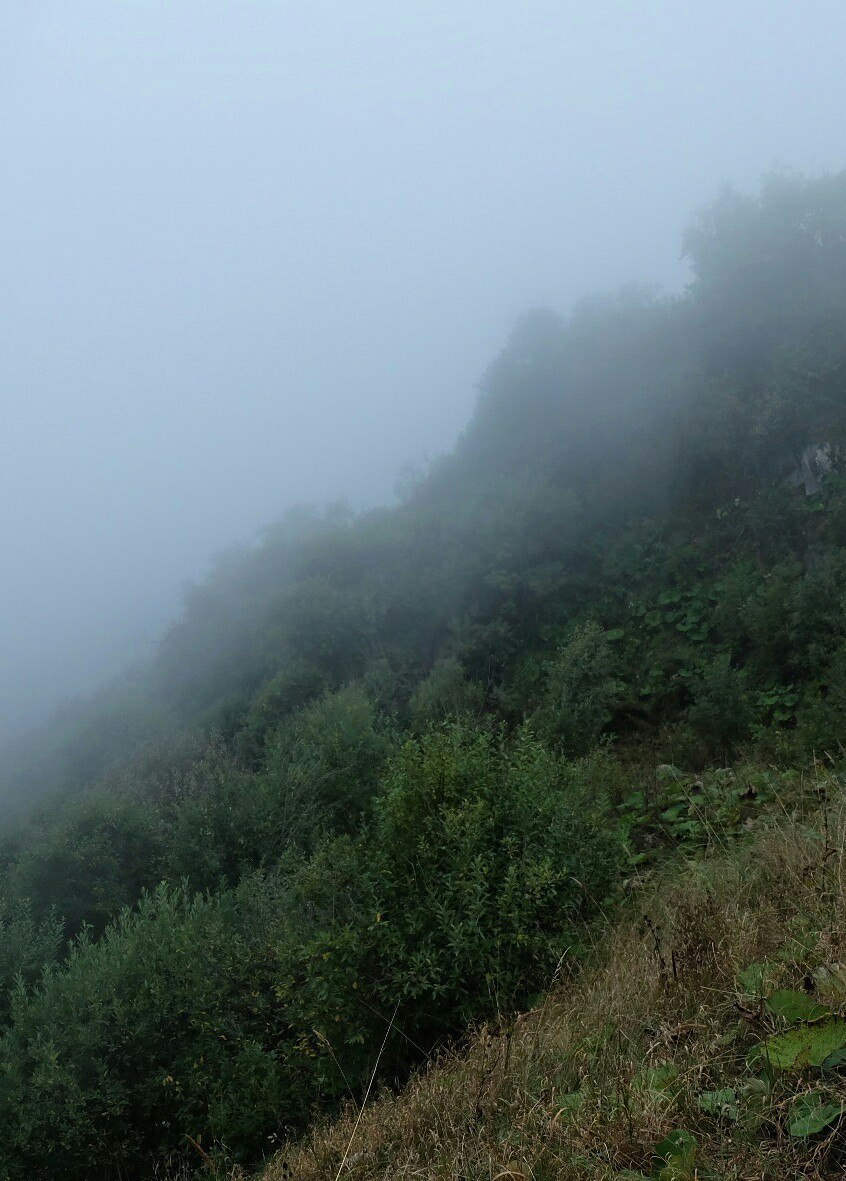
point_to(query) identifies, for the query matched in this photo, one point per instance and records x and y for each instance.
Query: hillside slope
(705, 1040)
(398, 771)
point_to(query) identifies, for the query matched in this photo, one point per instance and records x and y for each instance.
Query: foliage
(167, 1016)
(652, 1063)
(486, 862)
(720, 711)
(213, 1018)
(444, 695)
(582, 691)
(27, 945)
(91, 857)
(326, 761)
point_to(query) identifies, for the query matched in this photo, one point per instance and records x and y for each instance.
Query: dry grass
(662, 992)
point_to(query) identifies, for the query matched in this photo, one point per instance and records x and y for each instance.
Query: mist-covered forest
(392, 774)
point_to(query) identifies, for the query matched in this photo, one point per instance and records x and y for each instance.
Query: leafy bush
(289, 690)
(220, 1018)
(721, 712)
(820, 718)
(323, 765)
(485, 860)
(446, 694)
(583, 691)
(90, 857)
(214, 836)
(27, 946)
(161, 1031)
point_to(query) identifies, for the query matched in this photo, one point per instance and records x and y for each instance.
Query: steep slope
(705, 1040)
(396, 770)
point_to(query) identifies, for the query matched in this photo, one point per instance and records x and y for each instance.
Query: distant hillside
(399, 770)
(637, 414)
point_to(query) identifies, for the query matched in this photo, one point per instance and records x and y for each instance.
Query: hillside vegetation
(705, 1039)
(391, 777)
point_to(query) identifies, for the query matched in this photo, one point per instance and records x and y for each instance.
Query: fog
(256, 254)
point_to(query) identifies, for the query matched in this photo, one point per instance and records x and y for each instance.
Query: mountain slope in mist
(395, 769)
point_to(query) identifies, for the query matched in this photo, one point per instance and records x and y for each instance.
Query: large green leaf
(754, 980)
(663, 1078)
(795, 1006)
(806, 1045)
(835, 1062)
(809, 1115)
(675, 1157)
(721, 1103)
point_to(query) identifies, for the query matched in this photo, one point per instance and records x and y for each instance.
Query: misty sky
(257, 253)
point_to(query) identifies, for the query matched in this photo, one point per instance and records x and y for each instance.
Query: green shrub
(321, 770)
(486, 859)
(216, 835)
(224, 1018)
(821, 716)
(582, 693)
(482, 867)
(161, 1031)
(290, 690)
(323, 765)
(721, 712)
(88, 858)
(27, 946)
(446, 694)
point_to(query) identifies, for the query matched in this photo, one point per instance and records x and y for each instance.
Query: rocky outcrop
(808, 468)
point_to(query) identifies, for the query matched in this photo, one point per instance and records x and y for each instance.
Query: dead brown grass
(662, 992)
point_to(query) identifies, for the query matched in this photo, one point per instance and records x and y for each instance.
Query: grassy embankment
(710, 1015)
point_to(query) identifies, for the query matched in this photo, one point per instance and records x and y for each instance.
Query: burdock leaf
(795, 1006)
(806, 1045)
(810, 1115)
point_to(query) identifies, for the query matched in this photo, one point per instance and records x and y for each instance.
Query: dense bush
(323, 764)
(161, 1030)
(90, 857)
(720, 711)
(446, 694)
(222, 1020)
(485, 860)
(28, 944)
(583, 690)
